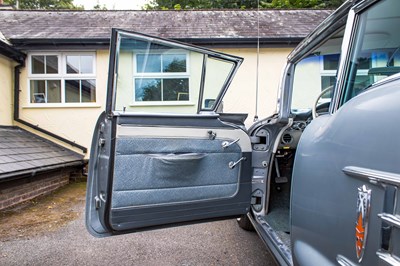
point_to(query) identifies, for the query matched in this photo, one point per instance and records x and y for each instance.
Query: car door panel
(173, 173)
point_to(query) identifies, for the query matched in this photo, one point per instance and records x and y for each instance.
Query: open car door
(149, 170)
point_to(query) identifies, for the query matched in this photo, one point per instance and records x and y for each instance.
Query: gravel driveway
(216, 243)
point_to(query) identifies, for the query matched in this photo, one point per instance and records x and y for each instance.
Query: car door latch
(232, 164)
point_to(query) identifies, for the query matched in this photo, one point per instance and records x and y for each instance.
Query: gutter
(37, 128)
(11, 53)
(93, 43)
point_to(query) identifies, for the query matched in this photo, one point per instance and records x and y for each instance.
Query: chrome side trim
(343, 261)
(390, 219)
(386, 257)
(373, 176)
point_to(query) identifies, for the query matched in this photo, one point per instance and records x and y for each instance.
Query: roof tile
(19, 24)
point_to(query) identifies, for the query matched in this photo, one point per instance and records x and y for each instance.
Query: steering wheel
(314, 108)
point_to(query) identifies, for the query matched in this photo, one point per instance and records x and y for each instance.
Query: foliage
(239, 4)
(44, 4)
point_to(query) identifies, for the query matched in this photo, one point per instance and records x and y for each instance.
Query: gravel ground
(216, 243)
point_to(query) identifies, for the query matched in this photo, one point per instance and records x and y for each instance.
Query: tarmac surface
(215, 243)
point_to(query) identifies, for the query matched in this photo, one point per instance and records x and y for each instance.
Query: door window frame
(116, 36)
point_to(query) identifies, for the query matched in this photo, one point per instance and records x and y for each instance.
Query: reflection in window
(157, 82)
(79, 64)
(77, 91)
(167, 89)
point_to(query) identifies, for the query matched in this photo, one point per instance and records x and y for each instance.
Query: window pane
(86, 64)
(326, 82)
(331, 62)
(176, 89)
(217, 72)
(88, 90)
(150, 63)
(72, 64)
(53, 91)
(72, 94)
(174, 63)
(38, 91)
(147, 89)
(51, 64)
(37, 64)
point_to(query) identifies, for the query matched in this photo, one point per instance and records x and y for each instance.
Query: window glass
(148, 89)
(175, 89)
(44, 64)
(331, 61)
(51, 64)
(174, 63)
(217, 72)
(316, 73)
(38, 64)
(72, 64)
(72, 91)
(53, 91)
(155, 75)
(86, 64)
(148, 63)
(88, 90)
(375, 51)
(38, 91)
(43, 91)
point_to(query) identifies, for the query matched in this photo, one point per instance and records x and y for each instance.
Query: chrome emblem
(363, 209)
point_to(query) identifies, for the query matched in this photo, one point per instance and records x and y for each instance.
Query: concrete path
(216, 243)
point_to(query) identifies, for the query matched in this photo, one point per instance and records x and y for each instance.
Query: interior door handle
(233, 164)
(226, 144)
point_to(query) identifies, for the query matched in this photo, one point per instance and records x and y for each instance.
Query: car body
(318, 180)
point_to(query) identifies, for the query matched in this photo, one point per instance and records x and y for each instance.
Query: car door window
(163, 77)
(375, 52)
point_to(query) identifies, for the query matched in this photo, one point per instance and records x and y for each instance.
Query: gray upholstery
(149, 171)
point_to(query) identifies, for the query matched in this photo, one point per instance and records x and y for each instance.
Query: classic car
(318, 180)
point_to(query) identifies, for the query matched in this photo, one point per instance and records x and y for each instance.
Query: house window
(62, 78)
(330, 64)
(161, 77)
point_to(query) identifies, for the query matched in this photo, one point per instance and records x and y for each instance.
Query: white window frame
(332, 73)
(161, 75)
(62, 76)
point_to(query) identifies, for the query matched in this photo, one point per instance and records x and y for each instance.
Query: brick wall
(17, 191)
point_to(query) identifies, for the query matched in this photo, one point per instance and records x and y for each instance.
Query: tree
(240, 4)
(44, 4)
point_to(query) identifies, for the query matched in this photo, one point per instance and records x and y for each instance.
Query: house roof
(23, 153)
(193, 26)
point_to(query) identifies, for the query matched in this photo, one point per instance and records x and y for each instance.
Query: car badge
(363, 209)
